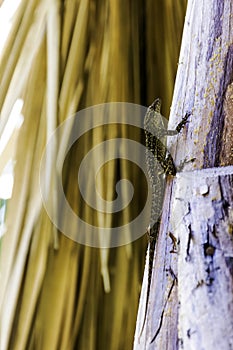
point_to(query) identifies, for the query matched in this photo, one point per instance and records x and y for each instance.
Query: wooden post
(191, 299)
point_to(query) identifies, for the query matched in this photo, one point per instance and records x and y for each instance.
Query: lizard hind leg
(182, 164)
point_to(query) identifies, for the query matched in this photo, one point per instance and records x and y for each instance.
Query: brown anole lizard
(159, 164)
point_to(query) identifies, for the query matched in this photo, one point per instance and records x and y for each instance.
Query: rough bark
(202, 218)
(191, 300)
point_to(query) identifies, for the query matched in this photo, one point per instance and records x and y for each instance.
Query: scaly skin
(159, 164)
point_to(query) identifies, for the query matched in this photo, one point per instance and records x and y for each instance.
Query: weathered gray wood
(202, 219)
(191, 303)
(161, 321)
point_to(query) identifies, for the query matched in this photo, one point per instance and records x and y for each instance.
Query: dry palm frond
(62, 56)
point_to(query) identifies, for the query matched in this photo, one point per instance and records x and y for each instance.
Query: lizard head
(156, 105)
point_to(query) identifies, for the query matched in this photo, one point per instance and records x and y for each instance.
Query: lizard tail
(151, 250)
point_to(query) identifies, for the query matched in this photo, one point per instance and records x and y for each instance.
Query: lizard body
(157, 158)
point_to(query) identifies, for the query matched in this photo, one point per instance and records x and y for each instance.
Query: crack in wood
(174, 282)
(188, 257)
(214, 137)
(206, 172)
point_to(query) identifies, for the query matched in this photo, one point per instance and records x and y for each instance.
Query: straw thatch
(60, 57)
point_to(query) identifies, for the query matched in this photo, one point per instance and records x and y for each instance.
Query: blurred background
(58, 57)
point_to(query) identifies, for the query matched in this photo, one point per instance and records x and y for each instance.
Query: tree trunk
(191, 302)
